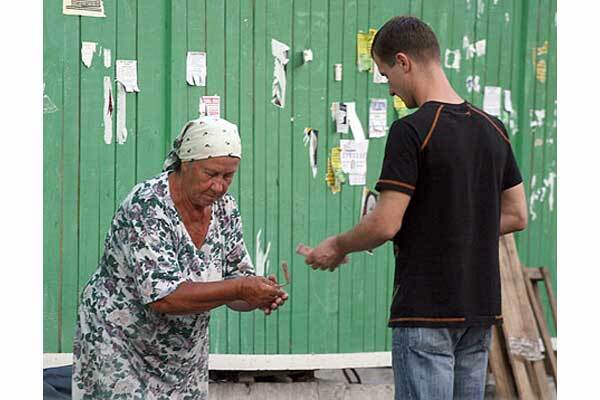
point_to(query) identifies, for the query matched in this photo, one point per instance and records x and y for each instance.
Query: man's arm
(378, 226)
(513, 210)
(373, 230)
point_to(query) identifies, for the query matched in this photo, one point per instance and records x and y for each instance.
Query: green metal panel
(343, 311)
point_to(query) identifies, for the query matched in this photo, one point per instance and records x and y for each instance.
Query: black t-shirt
(454, 160)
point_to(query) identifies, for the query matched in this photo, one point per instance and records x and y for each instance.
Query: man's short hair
(407, 35)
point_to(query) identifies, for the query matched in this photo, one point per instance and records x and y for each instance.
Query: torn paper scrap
(357, 179)
(400, 107)
(280, 53)
(480, 47)
(196, 68)
(262, 257)
(127, 75)
(491, 100)
(210, 106)
(530, 349)
(86, 8)
(311, 139)
(107, 58)
(338, 72)
(452, 59)
(341, 118)
(307, 55)
(508, 101)
(121, 113)
(48, 107)
(354, 122)
(335, 177)
(354, 156)
(108, 110)
(87, 52)
(377, 77)
(472, 84)
(364, 40)
(474, 49)
(368, 203)
(377, 118)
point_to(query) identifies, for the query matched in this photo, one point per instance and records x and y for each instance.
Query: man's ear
(403, 61)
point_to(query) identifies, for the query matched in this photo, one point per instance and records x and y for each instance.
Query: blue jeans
(440, 363)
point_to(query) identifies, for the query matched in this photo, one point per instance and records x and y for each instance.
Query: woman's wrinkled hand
(261, 292)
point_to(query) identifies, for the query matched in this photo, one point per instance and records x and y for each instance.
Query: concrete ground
(376, 383)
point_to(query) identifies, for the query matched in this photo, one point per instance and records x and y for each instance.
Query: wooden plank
(289, 132)
(364, 273)
(231, 112)
(378, 264)
(177, 112)
(126, 49)
(153, 43)
(519, 322)
(551, 297)
(196, 41)
(322, 286)
(500, 366)
(542, 326)
(247, 167)
(352, 278)
(302, 296)
(262, 61)
(215, 84)
(52, 175)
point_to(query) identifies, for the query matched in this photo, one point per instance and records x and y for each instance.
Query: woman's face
(204, 181)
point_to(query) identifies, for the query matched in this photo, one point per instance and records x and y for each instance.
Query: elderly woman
(173, 252)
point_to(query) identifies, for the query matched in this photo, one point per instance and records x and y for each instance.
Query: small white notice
(337, 72)
(377, 118)
(86, 8)
(87, 52)
(354, 122)
(127, 75)
(121, 114)
(210, 106)
(107, 58)
(491, 100)
(377, 77)
(108, 110)
(196, 68)
(508, 101)
(354, 156)
(280, 53)
(341, 117)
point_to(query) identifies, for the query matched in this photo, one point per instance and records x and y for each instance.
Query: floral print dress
(125, 350)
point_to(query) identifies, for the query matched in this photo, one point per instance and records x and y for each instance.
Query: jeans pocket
(430, 340)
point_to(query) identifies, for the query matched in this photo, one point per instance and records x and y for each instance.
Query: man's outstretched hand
(326, 256)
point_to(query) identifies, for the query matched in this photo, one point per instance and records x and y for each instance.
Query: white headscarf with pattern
(204, 138)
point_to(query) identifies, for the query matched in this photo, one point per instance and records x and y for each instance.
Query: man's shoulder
(417, 122)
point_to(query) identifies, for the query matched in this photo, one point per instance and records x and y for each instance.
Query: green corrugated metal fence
(345, 311)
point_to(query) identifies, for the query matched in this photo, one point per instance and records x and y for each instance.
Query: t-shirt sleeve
(151, 250)
(512, 175)
(400, 168)
(237, 259)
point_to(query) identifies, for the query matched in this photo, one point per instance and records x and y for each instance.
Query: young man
(449, 187)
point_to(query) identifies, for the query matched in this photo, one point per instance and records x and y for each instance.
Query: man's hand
(327, 255)
(260, 292)
(278, 301)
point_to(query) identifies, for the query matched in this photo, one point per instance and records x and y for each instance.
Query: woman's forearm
(194, 297)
